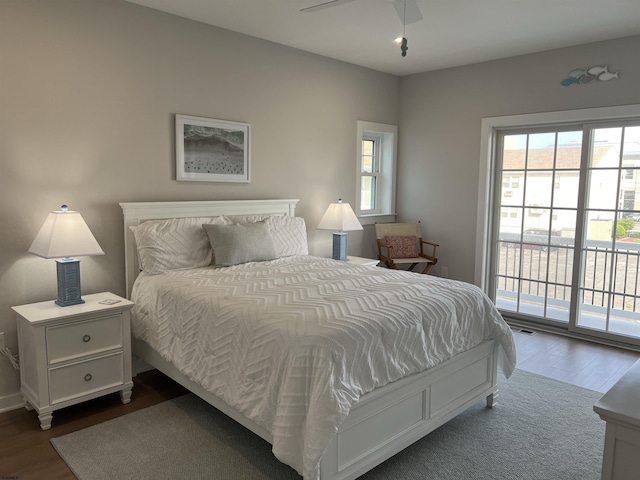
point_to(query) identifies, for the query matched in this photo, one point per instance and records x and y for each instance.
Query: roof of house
(543, 158)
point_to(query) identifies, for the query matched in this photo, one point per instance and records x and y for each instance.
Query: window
(533, 272)
(369, 172)
(376, 167)
(572, 256)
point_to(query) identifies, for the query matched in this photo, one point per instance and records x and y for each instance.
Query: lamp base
(340, 246)
(68, 270)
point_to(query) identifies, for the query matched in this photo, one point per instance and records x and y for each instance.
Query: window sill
(377, 218)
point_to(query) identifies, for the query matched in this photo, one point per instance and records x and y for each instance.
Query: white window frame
(375, 172)
(487, 173)
(386, 137)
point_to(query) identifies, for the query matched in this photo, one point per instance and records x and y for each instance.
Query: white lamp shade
(65, 234)
(339, 216)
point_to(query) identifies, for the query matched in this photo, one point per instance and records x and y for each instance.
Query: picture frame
(210, 150)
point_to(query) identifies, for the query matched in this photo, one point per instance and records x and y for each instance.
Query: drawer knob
(87, 377)
(86, 338)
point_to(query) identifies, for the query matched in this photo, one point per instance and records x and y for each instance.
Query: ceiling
(452, 32)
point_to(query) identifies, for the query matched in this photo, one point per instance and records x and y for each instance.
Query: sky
(601, 136)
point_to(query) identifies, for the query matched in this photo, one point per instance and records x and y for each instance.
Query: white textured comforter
(293, 343)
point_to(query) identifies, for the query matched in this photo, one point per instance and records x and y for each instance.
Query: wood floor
(27, 454)
(586, 364)
(25, 451)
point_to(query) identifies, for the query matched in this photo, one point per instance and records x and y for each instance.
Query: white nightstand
(368, 262)
(72, 354)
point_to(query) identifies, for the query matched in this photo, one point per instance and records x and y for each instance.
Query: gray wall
(439, 134)
(87, 94)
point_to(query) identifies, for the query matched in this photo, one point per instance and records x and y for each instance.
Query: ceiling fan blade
(412, 13)
(320, 6)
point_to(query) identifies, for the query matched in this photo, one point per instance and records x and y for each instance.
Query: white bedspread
(293, 343)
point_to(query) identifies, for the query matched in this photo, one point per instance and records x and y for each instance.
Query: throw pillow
(402, 246)
(240, 243)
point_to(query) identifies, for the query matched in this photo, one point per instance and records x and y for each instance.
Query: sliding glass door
(566, 230)
(608, 300)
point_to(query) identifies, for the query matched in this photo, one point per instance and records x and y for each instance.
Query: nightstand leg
(45, 420)
(125, 395)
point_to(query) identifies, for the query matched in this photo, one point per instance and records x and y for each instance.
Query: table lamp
(64, 235)
(339, 216)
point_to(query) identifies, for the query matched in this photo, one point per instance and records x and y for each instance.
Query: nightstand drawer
(86, 377)
(76, 340)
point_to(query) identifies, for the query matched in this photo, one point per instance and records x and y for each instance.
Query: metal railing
(542, 266)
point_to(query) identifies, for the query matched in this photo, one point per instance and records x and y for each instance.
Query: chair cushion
(402, 246)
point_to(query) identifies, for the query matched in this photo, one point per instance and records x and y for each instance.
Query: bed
(338, 366)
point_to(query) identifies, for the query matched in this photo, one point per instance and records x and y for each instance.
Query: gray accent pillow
(240, 243)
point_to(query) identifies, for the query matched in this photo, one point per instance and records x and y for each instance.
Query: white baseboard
(140, 366)
(11, 402)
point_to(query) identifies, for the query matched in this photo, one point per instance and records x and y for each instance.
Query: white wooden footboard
(386, 420)
(389, 419)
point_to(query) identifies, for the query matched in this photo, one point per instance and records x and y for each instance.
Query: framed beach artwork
(209, 150)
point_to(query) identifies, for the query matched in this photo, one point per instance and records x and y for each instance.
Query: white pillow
(240, 243)
(289, 235)
(245, 218)
(174, 243)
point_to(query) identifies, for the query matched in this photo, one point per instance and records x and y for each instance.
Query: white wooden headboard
(138, 212)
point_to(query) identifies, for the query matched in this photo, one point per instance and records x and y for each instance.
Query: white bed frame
(382, 422)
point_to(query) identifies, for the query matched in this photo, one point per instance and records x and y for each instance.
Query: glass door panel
(608, 300)
(538, 203)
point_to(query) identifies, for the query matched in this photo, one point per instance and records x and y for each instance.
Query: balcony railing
(535, 268)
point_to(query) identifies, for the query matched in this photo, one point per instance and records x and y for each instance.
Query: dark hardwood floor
(27, 454)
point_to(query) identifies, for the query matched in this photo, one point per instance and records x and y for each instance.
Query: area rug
(541, 429)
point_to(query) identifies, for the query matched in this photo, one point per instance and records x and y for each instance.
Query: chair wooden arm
(431, 257)
(386, 259)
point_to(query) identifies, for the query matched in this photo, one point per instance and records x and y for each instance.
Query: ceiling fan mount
(407, 10)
